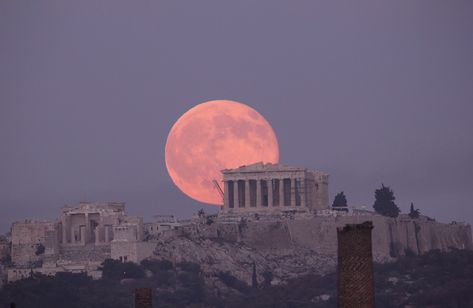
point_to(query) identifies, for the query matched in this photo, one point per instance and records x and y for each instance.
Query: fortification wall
(84, 254)
(27, 236)
(420, 236)
(14, 274)
(4, 249)
(132, 251)
(391, 237)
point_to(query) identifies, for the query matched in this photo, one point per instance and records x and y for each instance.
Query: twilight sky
(370, 92)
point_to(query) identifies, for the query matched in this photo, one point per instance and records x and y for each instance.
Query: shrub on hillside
(157, 265)
(116, 270)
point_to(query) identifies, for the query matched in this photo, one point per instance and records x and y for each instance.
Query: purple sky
(369, 92)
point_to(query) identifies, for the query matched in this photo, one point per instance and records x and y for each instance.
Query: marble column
(82, 232)
(226, 195)
(270, 192)
(235, 194)
(258, 193)
(72, 231)
(101, 232)
(87, 228)
(107, 234)
(281, 192)
(64, 232)
(247, 193)
(303, 192)
(97, 233)
(293, 192)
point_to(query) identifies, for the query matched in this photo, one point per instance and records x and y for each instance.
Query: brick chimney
(355, 266)
(143, 298)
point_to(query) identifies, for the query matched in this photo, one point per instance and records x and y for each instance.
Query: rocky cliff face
(237, 258)
(282, 249)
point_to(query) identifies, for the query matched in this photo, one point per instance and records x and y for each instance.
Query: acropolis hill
(274, 216)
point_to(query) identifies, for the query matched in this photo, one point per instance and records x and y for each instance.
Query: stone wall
(391, 237)
(132, 251)
(14, 274)
(73, 259)
(4, 249)
(84, 254)
(27, 236)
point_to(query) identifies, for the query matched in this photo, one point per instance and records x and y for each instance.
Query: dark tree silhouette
(116, 270)
(254, 279)
(433, 279)
(384, 202)
(267, 278)
(40, 249)
(340, 200)
(414, 213)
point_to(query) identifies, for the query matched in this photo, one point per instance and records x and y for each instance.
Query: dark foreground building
(143, 298)
(355, 266)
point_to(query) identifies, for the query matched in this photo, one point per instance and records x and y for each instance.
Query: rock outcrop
(286, 248)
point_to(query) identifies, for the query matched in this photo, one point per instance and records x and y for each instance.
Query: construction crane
(219, 189)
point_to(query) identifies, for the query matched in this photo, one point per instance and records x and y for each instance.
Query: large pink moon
(213, 136)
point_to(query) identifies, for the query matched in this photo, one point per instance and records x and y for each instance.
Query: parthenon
(273, 188)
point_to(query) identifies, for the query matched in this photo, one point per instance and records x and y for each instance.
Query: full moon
(213, 136)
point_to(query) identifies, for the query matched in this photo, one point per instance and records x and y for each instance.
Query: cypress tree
(340, 200)
(384, 202)
(254, 280)
(414, 213)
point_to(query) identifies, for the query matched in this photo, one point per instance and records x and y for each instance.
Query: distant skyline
(370, 93)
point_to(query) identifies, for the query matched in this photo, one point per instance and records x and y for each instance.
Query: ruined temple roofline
(33, 221)
(269, 167)
(84, 207)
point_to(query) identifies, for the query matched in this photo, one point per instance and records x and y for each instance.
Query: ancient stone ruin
(274, 188)
(275, 217)
(78, 241)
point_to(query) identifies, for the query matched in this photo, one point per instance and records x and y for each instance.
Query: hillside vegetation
(434, 279)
